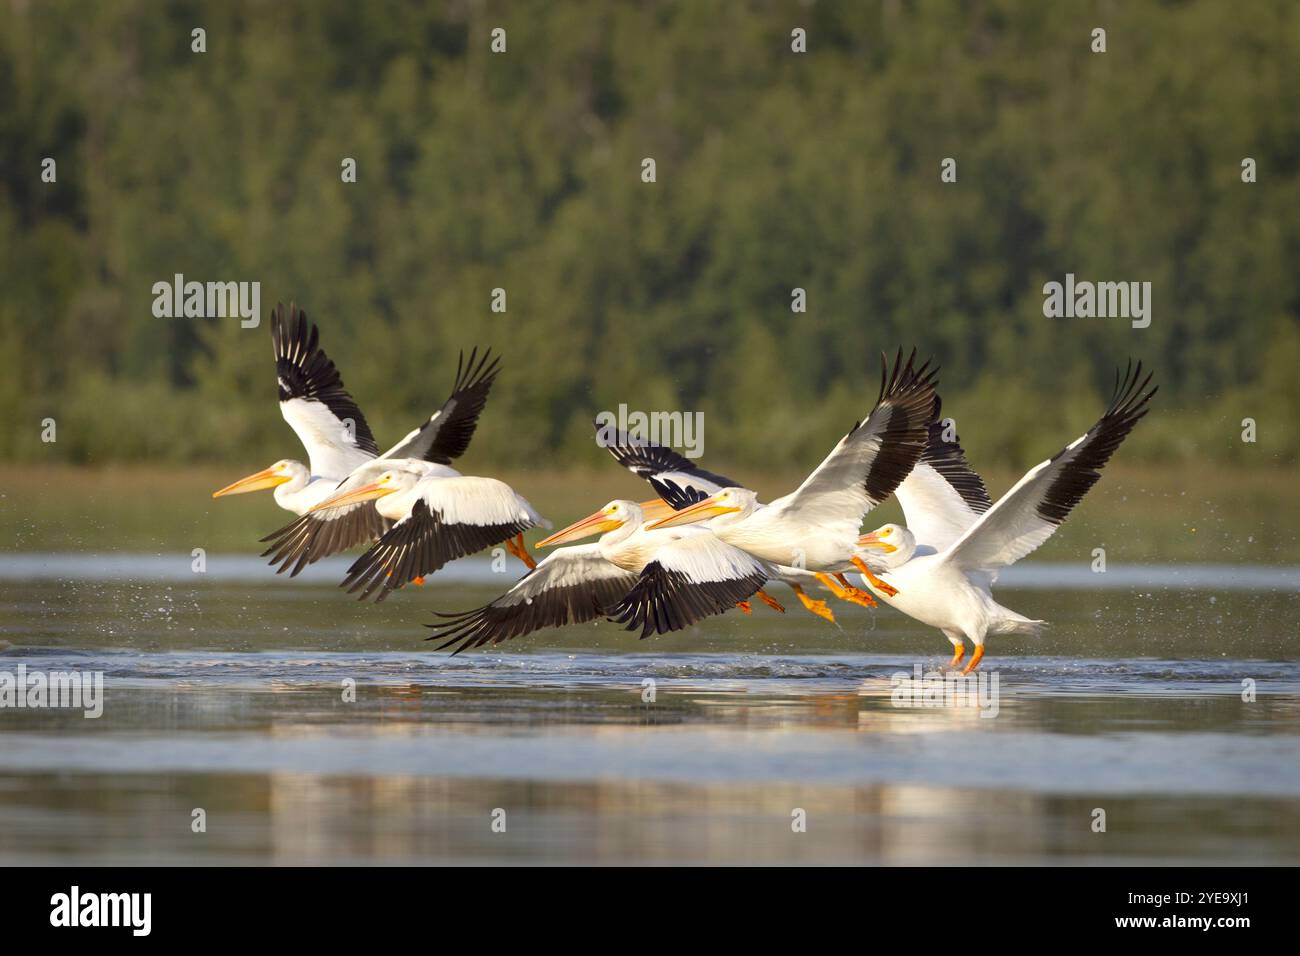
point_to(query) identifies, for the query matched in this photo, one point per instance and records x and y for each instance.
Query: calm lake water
(225, 692)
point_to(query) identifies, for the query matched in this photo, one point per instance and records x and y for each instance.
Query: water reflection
(304, 818)
(231, 698)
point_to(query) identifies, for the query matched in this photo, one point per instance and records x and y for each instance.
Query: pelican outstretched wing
(943, 495)
(876, 455)
(319, 534)
(691, 578)
(572, 585)
(449, 430)
(655, 463)
(1035, 507)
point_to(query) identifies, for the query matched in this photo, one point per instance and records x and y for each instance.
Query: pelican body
(941, 593)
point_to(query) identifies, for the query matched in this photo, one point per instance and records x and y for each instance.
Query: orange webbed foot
(845, 591)
(820, 608)
(517, 547)
(876, 583)
(855, 594)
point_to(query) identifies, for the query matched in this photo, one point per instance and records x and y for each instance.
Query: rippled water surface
(309, 728)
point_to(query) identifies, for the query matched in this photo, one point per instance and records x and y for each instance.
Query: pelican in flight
(437, 518)
(944, 563)
(816, 527)
(681, 483)
(659, 581)
(340, 446)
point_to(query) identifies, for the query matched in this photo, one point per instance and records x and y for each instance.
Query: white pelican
(437, 519)
(945, 563)
(681, 483)
(816, 526)
(340, 447)
(659, 581)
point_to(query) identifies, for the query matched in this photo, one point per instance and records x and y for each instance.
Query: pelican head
(390, 482)
(282, 472)
(728, 504)
(615, 515)
(889, 545)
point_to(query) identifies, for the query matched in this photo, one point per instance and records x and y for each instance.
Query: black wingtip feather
(475, 377)
(909, 393)
(948, 459)
(1128, 405)
(310, 537)
(503, 619)
(675, 495)
(645, 459)
(663, 600)
(304, 371)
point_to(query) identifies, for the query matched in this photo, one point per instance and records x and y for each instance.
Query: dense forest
(774, 170)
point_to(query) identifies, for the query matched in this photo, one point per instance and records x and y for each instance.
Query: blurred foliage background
(775, 170)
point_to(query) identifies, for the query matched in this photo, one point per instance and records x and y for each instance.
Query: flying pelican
(944, 564)
(816, 526)
(426, 451)
(437, 519)
(681, 483)
(340, 446)
(659, 581)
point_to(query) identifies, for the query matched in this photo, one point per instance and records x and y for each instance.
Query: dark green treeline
(774, 170)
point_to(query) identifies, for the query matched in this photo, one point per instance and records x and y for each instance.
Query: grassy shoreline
(1137, 513)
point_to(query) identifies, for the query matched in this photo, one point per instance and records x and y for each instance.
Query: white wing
(571, 586)
(690, 578)
(874, 457)
(1029, 513)
(319, 429)
(471, 500)
(943, 496)
(313, 400)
